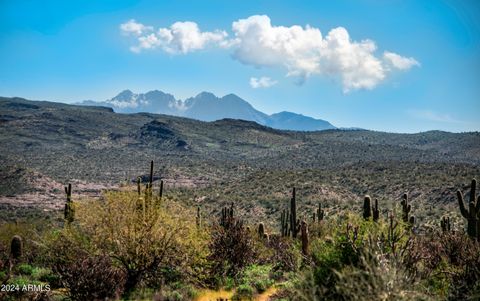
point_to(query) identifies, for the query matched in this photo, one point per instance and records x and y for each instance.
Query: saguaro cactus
(16, 247)
(376, 212)
(198, 219)
(69, 213)
(473, 213)
(160, 193)
(227, 216)
(445, 224)
(320, 212)
(261, 230)
(284, 222)
(304, 235)
(406, 208)
(294, 223)
(367, 209)
(151, 175)
(139, 187)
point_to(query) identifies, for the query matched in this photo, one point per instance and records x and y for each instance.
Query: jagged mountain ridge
(208, 107)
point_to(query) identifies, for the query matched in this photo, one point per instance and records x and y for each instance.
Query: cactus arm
(463, 210)
(473, 189)
(151, 174)
(478, 206)
(160, 193)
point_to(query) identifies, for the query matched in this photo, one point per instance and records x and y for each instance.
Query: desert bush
(176, 292)
(92, 278)
(374, 275)
(354, 247)
(144, 236)
(449, 263)
(231, 249)
(285, 257)
(378, 278)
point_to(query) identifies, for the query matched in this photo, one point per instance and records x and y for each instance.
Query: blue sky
(75, 50)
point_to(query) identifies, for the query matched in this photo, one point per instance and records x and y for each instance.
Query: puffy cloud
(262, 82)
(259, 44)
(398, 61)
(184, 37)
(180, 37)
(301, 51)
(134, 28)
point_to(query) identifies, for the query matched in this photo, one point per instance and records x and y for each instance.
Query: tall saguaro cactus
(151, 175)
(406, 208)
(473, 213)
(445, 224)
(261, 230)
(294, 223)
(284, 222)
(69, 213)
(367, 209)
(160, 193)
(198, 219)
(320, 212)
(139, 187)
(304, 235)
(226, 218)
(376, 211)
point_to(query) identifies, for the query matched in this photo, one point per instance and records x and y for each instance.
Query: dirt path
(211, 295)
(265, 296)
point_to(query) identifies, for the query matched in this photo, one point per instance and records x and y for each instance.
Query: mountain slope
(297, 122)
(45, 144)
(29, 128)
(208, 107)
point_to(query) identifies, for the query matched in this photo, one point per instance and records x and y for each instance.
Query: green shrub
(229, 283)
(40, 273)
(257, 276)
(22, 280)
(174, 296)
(244, 291)
(25, 269)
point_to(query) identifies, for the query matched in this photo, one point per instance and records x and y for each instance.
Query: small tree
(143, 235)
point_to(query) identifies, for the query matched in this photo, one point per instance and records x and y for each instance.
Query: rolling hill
(46, 144)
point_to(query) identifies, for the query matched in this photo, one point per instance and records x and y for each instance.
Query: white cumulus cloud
(304, 52)
(134, 28)
(301, 51)
(179, 38)
(262, 82)
(400, 62)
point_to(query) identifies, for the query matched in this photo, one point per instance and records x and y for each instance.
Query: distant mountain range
(208, 107)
